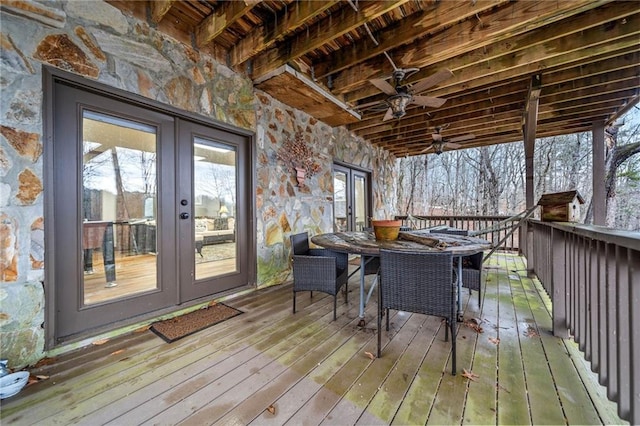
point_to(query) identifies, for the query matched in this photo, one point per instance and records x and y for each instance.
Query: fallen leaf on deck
(213, 303)
(45, 361)
(494, 340)
(531, 332)
(469, 375)
(99, 342)
(472, 324)
(42, 377)
(119, 351)
(141, 329)
(271, 409)
(370, 355)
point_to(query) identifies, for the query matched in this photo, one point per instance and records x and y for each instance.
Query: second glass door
(351, 201)
(211, 185)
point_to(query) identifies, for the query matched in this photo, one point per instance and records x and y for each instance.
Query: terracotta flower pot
(386, 229)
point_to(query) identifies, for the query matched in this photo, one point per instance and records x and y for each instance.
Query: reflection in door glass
(340, 201)
(215, 195)
(119, 194)
(360, 198)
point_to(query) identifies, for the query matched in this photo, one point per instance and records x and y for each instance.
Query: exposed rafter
(587, 52)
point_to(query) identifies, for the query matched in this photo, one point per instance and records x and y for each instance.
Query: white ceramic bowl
(11, 384)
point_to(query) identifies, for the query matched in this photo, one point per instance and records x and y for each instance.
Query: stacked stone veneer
(95, 40)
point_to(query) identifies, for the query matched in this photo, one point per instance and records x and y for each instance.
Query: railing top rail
(629, 239)
(455, 217)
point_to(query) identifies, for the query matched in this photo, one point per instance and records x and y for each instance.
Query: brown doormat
(176, 328)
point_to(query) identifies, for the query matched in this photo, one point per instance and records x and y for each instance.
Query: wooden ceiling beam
(580, 96)
(599, 66)
(437, 17)
(482, 30)
(224, 16)
(265, 36)
(159, 9)
(536, 50)
(503, 92)
(328, 29)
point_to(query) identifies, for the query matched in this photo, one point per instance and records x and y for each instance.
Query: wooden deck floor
(268, 366)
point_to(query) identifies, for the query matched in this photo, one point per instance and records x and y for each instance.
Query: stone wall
(98, 42)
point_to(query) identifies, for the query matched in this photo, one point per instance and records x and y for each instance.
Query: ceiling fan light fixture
(438, 147)
(398, 103)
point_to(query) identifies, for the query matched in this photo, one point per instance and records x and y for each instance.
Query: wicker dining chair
(471, 265)
(422, 283)
(321, 270)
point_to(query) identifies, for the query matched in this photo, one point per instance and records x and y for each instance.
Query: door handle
(184, 215)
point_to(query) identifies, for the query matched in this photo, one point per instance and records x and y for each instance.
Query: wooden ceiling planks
(586, 51)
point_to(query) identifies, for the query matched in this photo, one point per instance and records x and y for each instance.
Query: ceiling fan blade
(388, 115)
(436, 137)
(453, 145)
(383, 85)
(429, 148)
(428, 101)
(462, 138)
(432, 80)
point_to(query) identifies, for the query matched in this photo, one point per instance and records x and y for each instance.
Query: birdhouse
(561, 206)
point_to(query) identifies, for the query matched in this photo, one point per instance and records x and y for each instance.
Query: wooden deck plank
(418, 401)
(195, 380)
(544, 405)
(513, 403)
(481, 404)
(339, 383)
(385, 403)
(97, 380)
(449, 402)
(571, 390)
(314, 370)
(288, 404)
(255, 394)
(354, 402)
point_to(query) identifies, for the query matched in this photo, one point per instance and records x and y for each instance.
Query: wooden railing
(471, 223)
(592, 275)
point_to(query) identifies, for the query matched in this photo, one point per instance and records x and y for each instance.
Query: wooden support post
(530, 119)
(599, 201)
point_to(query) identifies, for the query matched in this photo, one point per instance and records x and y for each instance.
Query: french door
(149, 211)
(351, 198)
(213, 204)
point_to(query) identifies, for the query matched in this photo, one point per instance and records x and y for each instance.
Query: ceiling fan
(439, 142)
(401, 94)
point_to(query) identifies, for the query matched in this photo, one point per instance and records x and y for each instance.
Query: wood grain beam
(493, 26)
(437, 17)
(265, 36)
(159, 9)
(324, 31)
(226, 14)
(584, 36)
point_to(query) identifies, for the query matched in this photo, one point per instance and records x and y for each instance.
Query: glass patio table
(366, 245)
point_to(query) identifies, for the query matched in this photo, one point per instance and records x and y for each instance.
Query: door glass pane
(359, 202)
(215, 195)
(340, 201)
(119, 193)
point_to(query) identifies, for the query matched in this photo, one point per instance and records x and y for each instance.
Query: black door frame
(52, 77)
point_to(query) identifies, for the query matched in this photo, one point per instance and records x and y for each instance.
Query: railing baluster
(624, 332)
(593, 277)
